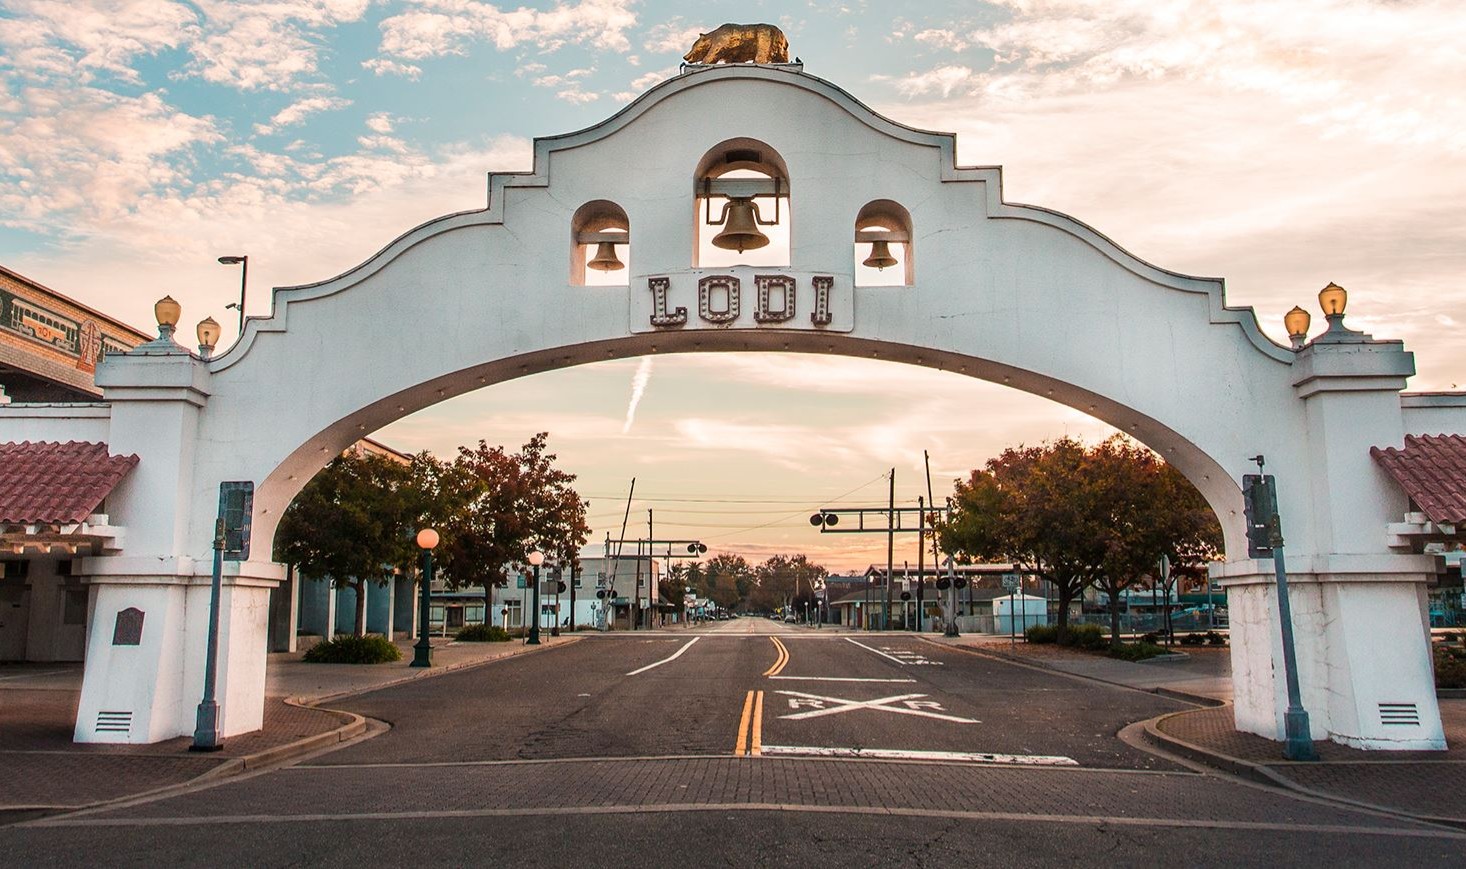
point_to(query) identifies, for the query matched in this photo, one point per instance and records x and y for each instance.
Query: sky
(1278, 145)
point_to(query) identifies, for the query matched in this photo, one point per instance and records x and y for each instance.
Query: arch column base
(1363, 650)
(147, 646)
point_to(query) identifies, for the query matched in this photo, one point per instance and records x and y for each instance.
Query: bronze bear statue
(740, 43)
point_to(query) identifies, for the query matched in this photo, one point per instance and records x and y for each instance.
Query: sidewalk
(41, 769)
(1423, 784)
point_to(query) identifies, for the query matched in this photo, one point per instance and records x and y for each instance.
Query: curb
(353, 727)
(1263, 775)
(1161, 691)
(436, 670)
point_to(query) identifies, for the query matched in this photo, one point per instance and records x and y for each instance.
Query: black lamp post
(243, 283)
(536, 558)
(422, 652)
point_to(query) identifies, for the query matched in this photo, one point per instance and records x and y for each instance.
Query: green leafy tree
(785, 581)
(729, 578)
(354, 523)
(504, 506)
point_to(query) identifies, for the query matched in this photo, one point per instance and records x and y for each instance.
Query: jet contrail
(638, 387)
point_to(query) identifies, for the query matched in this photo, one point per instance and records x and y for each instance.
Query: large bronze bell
(880, 256)
(605, 258)
(740, 227)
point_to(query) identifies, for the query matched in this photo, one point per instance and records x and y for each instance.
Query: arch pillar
(144, 685)
(1359, 611)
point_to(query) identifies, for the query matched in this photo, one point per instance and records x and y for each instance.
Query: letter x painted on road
(912, 706)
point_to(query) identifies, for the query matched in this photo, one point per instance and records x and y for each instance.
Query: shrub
(1192, 639)
(1091, 637)
(1450, 636)
(1136, 651)
(1041, 633)
(1215, 638)
(1450, 667)
(482, 634)
(1151, 637)
(349, 649)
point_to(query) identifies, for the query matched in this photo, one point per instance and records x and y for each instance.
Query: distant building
(50, 344)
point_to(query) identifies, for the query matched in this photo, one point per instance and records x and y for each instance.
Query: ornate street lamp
(208, 335)
(536, 558)
(1296, 322)
(422, 652)
(167, 311)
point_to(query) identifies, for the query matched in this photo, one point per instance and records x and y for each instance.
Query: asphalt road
(746, 742)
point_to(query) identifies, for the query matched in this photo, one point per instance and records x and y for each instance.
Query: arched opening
(741, 206)
(883, 245)
(600, 245)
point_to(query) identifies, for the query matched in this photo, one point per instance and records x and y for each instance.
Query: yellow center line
(756, 748)
(780, 661)
(741, 745)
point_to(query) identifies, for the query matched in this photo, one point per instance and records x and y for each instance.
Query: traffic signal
(560, 587)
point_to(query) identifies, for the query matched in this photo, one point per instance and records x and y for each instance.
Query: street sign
(1011, 581)
(236, 504)
(549, 586)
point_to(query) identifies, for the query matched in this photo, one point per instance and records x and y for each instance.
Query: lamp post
(206, 723)
(536, 558)
(422, 652)
(243, 283)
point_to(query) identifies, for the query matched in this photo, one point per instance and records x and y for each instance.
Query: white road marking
(898, 754)
(836, 679)
(882, 704)
(877, 651)
(675, 655)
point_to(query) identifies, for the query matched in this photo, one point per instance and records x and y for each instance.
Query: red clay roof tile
(42, 483)
(1432, 471)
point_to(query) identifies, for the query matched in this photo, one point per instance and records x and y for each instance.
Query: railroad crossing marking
(910, 704)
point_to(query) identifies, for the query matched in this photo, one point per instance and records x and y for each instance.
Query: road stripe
(780, 661)
(675, 655)
(836, 679)
(757, 743)
(741, 745)
(877, 651)
(900, 754)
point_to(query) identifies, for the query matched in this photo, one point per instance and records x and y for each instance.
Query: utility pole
(890, 551)
(927, 461)
(920, 562)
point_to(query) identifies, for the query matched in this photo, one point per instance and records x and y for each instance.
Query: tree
(1150, 510)
(729, 579)
(505, 506)
(354, 523)
(785, 581)
(1034, 507)
(1077, 516)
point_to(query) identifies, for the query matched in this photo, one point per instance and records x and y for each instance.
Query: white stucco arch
(1009, 293)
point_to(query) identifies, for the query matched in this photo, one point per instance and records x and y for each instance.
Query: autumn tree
(354, 523)
(506, 505)
(1148, 510)
(1033, 507)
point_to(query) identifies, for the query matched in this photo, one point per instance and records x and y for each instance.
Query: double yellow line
(751, 726)
(781, 661)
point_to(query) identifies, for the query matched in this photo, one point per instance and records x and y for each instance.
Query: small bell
(605, 258)
(880, 256)
(740, 227)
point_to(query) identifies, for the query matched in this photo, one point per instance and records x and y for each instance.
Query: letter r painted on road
(798, 702)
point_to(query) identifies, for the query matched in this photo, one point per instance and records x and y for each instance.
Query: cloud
(266, 46)
(299, 110)
(48, 37)
(673, 36)
(380, 122)
(381, 66)
(942, 79)
(437, 28)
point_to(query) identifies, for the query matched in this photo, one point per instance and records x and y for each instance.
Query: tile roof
(42, 483)
(1432, 471)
